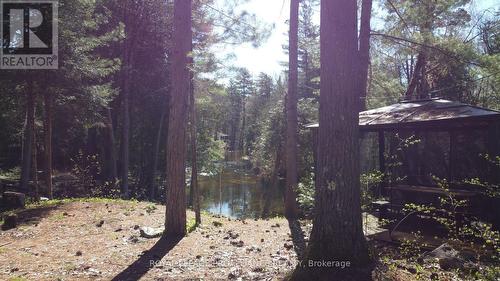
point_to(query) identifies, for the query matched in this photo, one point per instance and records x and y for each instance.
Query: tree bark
(418, 87)
(28, 137)
(34, 162)
(194, 194)
(418, 75)
(175, 220)
(156, 156)
(125, 153)
(241, 140)
(113, 171)
(47, 100)
(337, 233)
(364, 51)
(291, 210)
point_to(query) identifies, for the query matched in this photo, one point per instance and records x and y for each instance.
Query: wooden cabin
(454, 140)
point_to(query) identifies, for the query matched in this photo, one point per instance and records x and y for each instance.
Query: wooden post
(453, 137)
(381, 151)
(494, 149)
(381, 161)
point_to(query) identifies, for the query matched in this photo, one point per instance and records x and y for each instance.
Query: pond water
(238, 193)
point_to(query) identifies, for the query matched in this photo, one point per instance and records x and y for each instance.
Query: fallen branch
(6, 244)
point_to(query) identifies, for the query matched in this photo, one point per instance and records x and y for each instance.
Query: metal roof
(424, 112)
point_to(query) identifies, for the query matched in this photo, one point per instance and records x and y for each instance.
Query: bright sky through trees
(269, 57)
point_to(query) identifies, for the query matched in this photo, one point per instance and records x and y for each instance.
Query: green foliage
(151, 208)
(446, 214)
(87, 169)
(268, 143)
(411, 248)
(17, 278)
(394, 158)
(488, 273)
(306, 190)
(191, 225)
(305, 193)
(11, 174)
(369, 182)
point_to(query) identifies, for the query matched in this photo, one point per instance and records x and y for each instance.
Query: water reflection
(238, 193)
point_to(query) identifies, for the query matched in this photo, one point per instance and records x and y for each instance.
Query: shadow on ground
(147, 261)
(299, 243)
(31, 216)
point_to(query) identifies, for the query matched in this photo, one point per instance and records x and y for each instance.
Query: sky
(269, 57)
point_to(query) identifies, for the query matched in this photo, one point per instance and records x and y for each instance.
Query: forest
(167, 140)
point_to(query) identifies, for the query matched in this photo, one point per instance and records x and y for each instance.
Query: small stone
(198, 257)
(233, 235)
(136, 227)
(238, 244)
(234, 273)
(262, 240)
(212, 247)
(258, 269)
(450, 263)
(150, 233)
(412, 270)
(78, 253)
(99, 224)
(133, 239)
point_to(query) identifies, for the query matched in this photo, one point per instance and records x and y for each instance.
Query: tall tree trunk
(113, 171)
(364, 51)
(418, 75)
(28, 137)
(291, 209)
(241, 135)
(192, 104)
(34, 162)
(47, 100)
(125, 157)
(125, 140)
(194, 194)
(175, 219)
(418, 87)
(337, 233)
(156, 156)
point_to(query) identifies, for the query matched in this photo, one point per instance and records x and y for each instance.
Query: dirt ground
(100, 239)
(66, 243)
